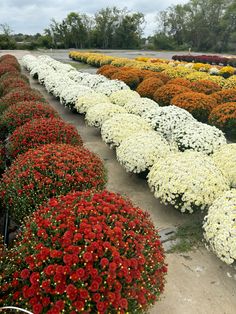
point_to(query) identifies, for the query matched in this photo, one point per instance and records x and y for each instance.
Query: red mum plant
(164, 94)
(22, 112)
(19, 95)
(148, 86)
(223, 96)
(13, 85)
(128, 76)
(180, 81)
(2, 157)
(10, 75)
(205, 86)
(6, 68)
(198, 104)
(47, 171)
(224, 117)
(85, 253)
(42, 131)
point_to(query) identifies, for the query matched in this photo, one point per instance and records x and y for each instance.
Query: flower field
(92, 246)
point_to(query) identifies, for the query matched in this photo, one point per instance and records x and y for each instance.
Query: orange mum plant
(128, 77)
(224, 117)
(180, 81)
(198, 104)
(164, 94)
(224, 96)
(205, 86)
(148, 87)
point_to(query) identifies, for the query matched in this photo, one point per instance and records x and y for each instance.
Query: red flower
(71, 291)
(37, 308)
(123, 303)
(34, 278)
(83, 294)
(25, 273)
(88, 256)
(104, 262)
(94, 286)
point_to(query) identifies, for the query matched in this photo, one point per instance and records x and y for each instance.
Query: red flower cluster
(13, 84)
(10, 60)
(5, 68)
(211, 59)
(42, 131)
(47, 171)
(9, 76)
(22, 112)
(19, 95)
(86, 252)
(2, 157)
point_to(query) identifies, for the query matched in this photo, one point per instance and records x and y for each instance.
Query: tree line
(203, 25)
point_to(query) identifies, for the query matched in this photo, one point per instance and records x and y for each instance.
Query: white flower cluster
(188, 180)
(138, 152)
(167, 119)
(199, 137)
(108, 87)
(99, 113)
(225, 159)
(120, 126)
(214, 71)
(121, 97)
(87, 101)
(220, 227)
(140, 105)
(29, 62)
(72, 93)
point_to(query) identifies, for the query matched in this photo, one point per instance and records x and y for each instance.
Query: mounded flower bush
(220, 227)
(22, 112)
(121, 97)
(189, 181)
(198, 136)
(225, 159)
(148, 86)
(205, 86)
(13, 85)
(85, 102)
(47, 171)
(19, 95)
(138, 152)
(6, 68)
(85, 253)
(42, 131)
(198, 104)
(164, 94)
(164, 77)
(129, 77)
(2, 157)
(12, 76)
(98, 114)
(226, 95)
(107, 70)
(120, 126)
(180, 81)
(224, 117)
(140, 106)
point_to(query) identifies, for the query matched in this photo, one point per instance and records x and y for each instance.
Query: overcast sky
(30, 17)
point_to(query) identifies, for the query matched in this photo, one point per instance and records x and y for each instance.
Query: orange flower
(205, 86)
(180, 81)
(128, 77)
(164, 94)
(148, 87)
(224, 96)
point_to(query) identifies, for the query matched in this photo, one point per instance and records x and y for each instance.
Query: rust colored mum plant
(148, 87)
(10, 76)
(85, 253)
(107, 70)
(47, 171)
(6, 68)
(162, 76)
(42, 131)
(13, 85)
(22, 112)
(180, 81)
(204, 86)
(224, 117)
(2, 157)
(198, 104)
(164, 94)
(227, 95)
(19, 95)
(128, 77)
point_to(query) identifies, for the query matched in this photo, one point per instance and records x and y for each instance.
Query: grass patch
(189, 236)
(78, 65)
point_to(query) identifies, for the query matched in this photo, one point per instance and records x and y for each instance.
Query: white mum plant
(225, 159)
(120, 126)
(140, 105)
(198, 136)
(72, 92)
(99, 113)
(123, 96)
(108, 87)
(138, 152)
(187, 180)
(84, 102)
(220, 227)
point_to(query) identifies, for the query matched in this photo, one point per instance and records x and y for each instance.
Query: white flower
(84, 102)
(198, 136)
(72, 93)
(225, 159)
(140, 105)
(120, 126)
(214, 71)
(121, 97)
(220, 227)
(99, 113)
(189, 179)
(166, 119)
(141, 150)
(109, 87)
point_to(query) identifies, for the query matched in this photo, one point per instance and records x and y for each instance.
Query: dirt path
(197, 282)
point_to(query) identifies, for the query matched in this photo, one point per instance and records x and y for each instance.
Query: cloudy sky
(30, 17)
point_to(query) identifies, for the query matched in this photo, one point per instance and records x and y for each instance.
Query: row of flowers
(81, 248)
(211, 59)
(156, 65)
(147, 139)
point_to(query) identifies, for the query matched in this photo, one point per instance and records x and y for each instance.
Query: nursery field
(197, 281)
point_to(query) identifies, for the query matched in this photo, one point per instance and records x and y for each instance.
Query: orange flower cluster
(224, 117)
(165, 93)
(180, 81)
(224, 96)
(129, 77)
(148, 87)
(198, 104)
(205, 86)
